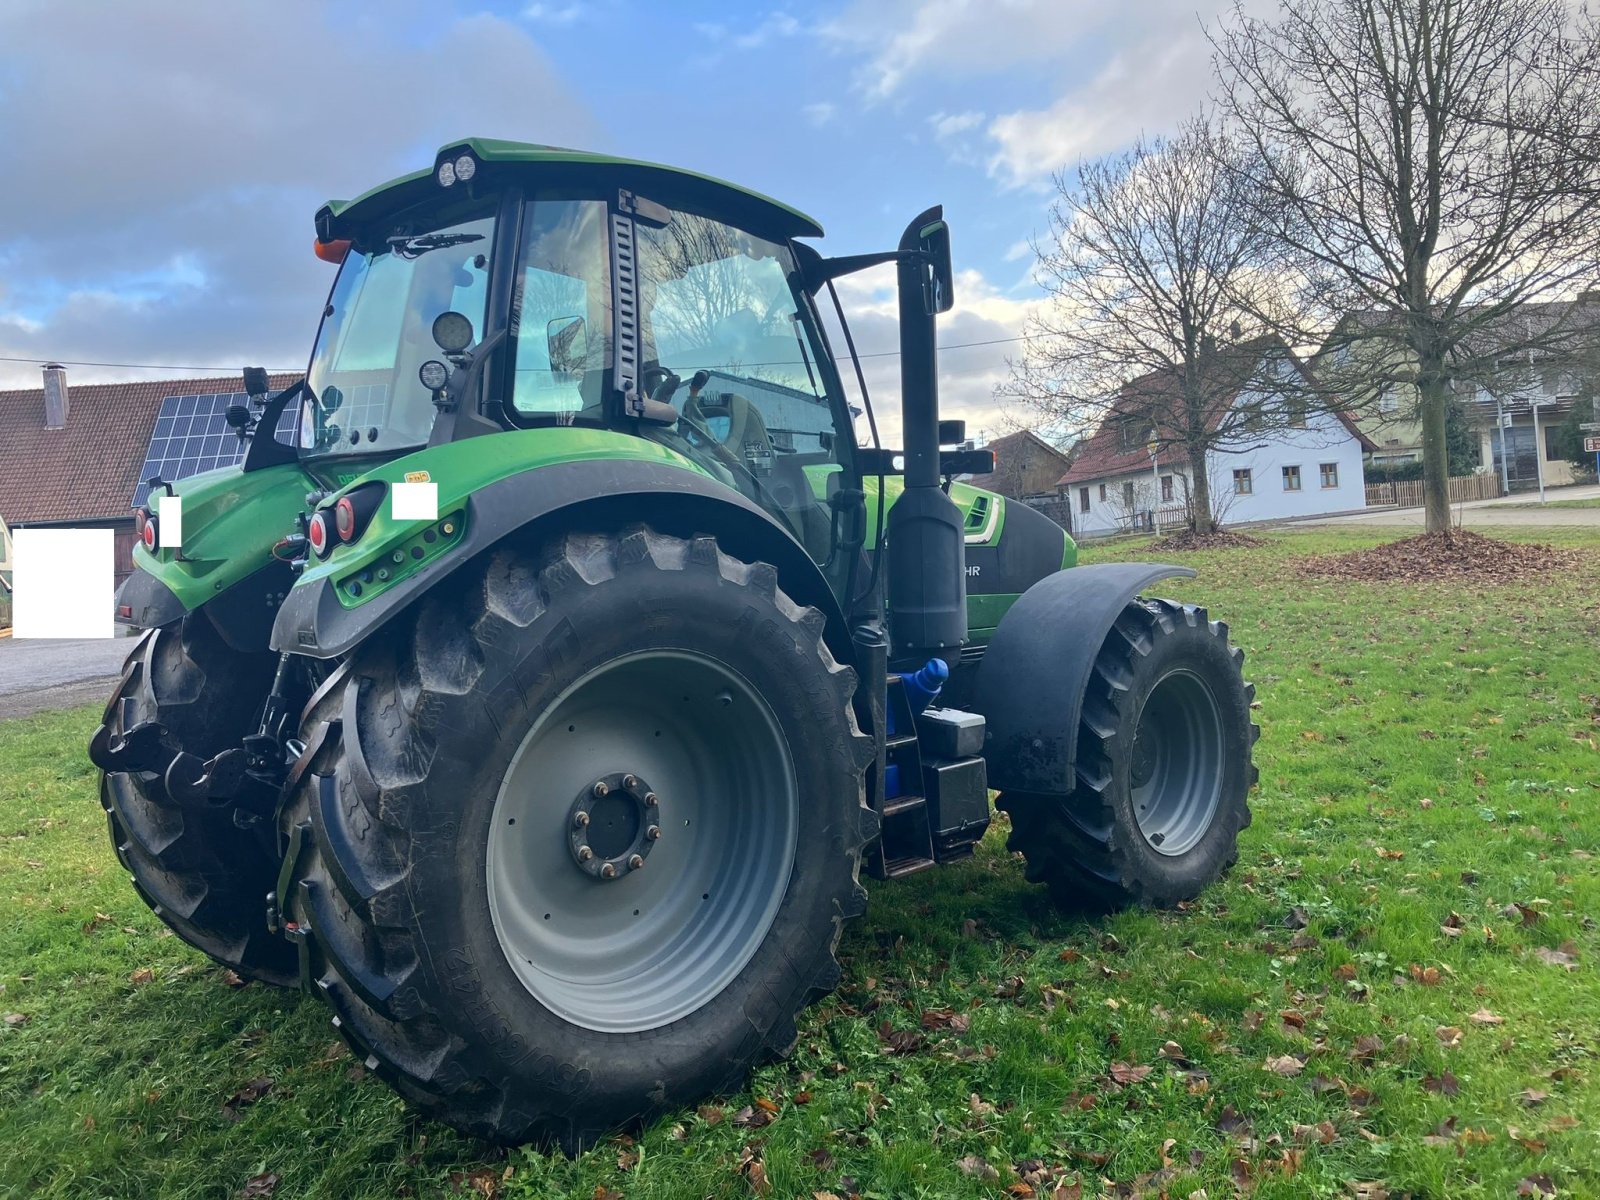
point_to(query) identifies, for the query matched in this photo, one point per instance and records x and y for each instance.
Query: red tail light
(355, 510)
(317, 534)
(344, 518)
(148, 534)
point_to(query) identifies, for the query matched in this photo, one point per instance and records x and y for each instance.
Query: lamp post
(1155, 495)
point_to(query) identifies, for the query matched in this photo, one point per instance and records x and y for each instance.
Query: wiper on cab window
(415, 247)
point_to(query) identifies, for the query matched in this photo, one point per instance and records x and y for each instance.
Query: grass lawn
(1399, 984)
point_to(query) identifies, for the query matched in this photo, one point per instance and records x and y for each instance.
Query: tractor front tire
(573, 845)
(201, 873)
(1163, 768)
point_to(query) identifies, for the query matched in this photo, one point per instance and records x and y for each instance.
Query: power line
(73, 362)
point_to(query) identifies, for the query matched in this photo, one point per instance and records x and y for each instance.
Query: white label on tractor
(170, 511)
(414, 501)
(64, 586)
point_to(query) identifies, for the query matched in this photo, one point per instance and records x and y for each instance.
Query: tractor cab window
(561, 313)
(364, 395)
(727, 343)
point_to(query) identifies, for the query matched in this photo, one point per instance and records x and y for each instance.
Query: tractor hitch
(148, 748)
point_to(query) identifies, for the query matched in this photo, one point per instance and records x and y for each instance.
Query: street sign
(1591, 445)
(1590, 427)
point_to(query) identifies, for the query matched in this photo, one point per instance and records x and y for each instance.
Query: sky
(164, 159)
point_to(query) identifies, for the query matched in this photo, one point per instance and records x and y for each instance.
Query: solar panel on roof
(191, 435)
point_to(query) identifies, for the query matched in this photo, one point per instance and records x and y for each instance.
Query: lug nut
(650, 800)
(580, 819)
(607, 871)
(629, 782)
(636, 861)
(653, 833)
(585, 853)
(600, 789)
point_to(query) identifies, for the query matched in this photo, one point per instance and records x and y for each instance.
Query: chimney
(55, 396)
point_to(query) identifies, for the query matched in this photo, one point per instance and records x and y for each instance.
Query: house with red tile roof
(71, 455)
(1123, 478)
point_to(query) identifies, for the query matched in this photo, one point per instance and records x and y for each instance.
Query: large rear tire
(202, 874)
(502, 979)
(1163, 768)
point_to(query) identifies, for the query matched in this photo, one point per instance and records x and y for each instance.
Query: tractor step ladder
(906, 843)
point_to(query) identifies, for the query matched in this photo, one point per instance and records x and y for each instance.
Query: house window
(1330, 475)
(1242, 485)
(1291, 479)
(1127, 494)
(1388, 402)
(1102, 493)
(1166, 487)
(1083, 499)
(1136, 434)
(1296, 408)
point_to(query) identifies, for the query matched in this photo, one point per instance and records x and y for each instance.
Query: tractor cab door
(728, 338)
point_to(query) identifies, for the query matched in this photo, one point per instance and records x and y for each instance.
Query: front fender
(1032, 677)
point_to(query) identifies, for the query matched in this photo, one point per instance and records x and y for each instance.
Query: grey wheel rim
(649, 944)
(1176, 768)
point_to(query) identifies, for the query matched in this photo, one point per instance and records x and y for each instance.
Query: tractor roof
(561, 166)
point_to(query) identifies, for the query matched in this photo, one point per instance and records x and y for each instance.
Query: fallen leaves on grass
(244, 1097)
(258, 1187)
(1126, 1073)
(935, 1019)
(17, 1020)
(1484, 1017)
(1220, 539)
(1443, 1084)
(1566, 956)
(1448, 1035)
(1536, 1185)
(1285, 1065)
(976, 1168)
(1455, 555)
(142, 976)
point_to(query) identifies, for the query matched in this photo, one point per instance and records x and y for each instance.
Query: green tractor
(541, 700)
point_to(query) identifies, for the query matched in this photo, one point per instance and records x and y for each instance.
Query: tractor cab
(519, 287)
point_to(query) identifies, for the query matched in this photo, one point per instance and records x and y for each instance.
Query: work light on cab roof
(540, 701)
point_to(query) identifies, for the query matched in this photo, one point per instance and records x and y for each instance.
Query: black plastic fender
(1032, 678)
(603, 494)
(152, 602)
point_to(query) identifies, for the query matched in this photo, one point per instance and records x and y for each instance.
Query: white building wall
(1324, 440)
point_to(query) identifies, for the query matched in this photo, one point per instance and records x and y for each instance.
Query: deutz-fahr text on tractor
(541, 684)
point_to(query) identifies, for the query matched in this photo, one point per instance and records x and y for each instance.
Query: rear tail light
(317, 534)
(148, 533)
(353, 512)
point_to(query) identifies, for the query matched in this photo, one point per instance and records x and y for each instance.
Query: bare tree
(1438, 162)
(1162, 288)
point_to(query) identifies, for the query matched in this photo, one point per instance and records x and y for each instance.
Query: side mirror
(939, 290)
(568, 342)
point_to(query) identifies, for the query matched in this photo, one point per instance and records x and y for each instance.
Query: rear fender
(1033, 675)
(547, 501)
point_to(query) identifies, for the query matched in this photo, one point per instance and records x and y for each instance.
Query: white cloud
(174, 163)
(1146, 66)
(820, 113)
(949, 125)
(555, 14)
(967, 374)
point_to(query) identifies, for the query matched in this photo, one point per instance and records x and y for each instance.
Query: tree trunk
(1435, 449)
(1201, 492)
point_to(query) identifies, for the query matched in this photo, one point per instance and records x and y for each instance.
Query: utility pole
(1538, 451)
(1500, 432)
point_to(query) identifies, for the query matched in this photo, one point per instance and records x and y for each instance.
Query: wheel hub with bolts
(613, 825)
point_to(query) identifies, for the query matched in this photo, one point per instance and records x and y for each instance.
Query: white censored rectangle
(64, 583)
(170, 511)
(414, 501)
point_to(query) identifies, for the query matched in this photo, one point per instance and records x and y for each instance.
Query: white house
(1292, 468)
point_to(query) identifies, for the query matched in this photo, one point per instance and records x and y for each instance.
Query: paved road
(37, 674)
(1519, 510)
